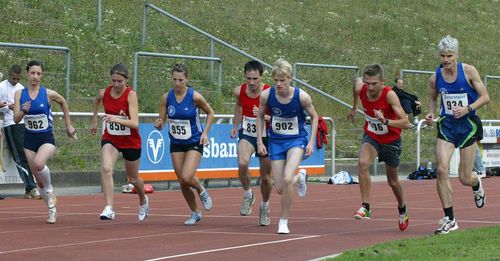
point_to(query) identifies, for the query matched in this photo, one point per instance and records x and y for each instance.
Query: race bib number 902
(285, 126)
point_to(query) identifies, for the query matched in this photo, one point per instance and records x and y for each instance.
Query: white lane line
(231, 248)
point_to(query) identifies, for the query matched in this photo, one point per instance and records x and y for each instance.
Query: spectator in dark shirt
(409, 102)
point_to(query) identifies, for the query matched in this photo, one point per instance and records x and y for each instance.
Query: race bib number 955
(180, 129)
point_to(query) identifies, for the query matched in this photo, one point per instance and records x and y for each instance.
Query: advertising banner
(220, 158)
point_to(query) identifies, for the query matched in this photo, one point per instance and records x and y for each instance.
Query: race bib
(454, 100)
(249, 126)
(375, 126)
(36, 122)
(285, 126)
(180, 129)
(117, 129)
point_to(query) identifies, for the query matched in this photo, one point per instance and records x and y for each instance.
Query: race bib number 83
(249, 126)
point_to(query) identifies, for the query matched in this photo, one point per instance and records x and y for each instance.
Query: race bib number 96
(375, 126)
(36, 122)
(285, 126)
(180, 129)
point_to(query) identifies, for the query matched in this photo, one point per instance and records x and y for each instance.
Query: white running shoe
(144, 209)
(302, 184)
(193, 219)
(206, 200)
(246, 205)
(446, 225)
(50, 199)
(283, 227)
(52, 216)
(107, 214)
(264, 219)
(479, 195)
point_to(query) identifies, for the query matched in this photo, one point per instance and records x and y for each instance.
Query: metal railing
(334, 66)
(402, 72)
(214, 40)
(228, 117)
(47, 47)
(202, 58)
(489, 77)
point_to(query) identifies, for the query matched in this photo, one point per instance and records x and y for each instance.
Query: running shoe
(52, 216)
(193, 219)
(446, 225)
(362, 213)
(206, 200)
(144, 209)
(479, 195)
(51, 199)
(246, 205)
(33, 194)
(107, 214)
(264, 219)
(404, 220)
(283, 227)
(302, 184)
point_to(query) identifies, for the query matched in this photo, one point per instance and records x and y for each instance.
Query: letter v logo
(156, 147)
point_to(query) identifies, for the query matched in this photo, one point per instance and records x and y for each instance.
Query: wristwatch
(469, 108)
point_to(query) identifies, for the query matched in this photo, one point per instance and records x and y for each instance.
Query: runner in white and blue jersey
(179, 109)
(33, 104)
(462, 93)
(288, 142)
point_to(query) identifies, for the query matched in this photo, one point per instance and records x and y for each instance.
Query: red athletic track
(321, 224)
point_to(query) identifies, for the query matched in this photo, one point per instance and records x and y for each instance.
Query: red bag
(147, 189)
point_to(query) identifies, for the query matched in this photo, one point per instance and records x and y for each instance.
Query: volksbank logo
(155, 146)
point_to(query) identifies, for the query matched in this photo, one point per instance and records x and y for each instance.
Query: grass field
(454, 246)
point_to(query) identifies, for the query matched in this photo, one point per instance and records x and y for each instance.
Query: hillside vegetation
(398, 34)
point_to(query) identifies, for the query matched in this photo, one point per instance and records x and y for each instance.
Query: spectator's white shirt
(7, 93)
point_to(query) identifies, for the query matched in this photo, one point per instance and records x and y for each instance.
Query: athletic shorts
(388, 153)
(278, 150)
(128, 154)
(33, 141)
(253, 141)
(186, 147)
(462, 132)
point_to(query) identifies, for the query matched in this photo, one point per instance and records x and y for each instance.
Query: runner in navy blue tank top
(462, 93)
(180, 109)
(288, 142)
(33, 104)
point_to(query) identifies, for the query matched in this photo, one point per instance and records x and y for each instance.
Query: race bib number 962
(36, 122)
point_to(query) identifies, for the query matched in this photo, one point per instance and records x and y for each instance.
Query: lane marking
(231, 248)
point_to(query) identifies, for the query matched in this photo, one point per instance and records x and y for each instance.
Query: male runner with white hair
(462, 93)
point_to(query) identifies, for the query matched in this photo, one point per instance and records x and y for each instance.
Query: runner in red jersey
(245, 112)
(384, 120)
(121, 134)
